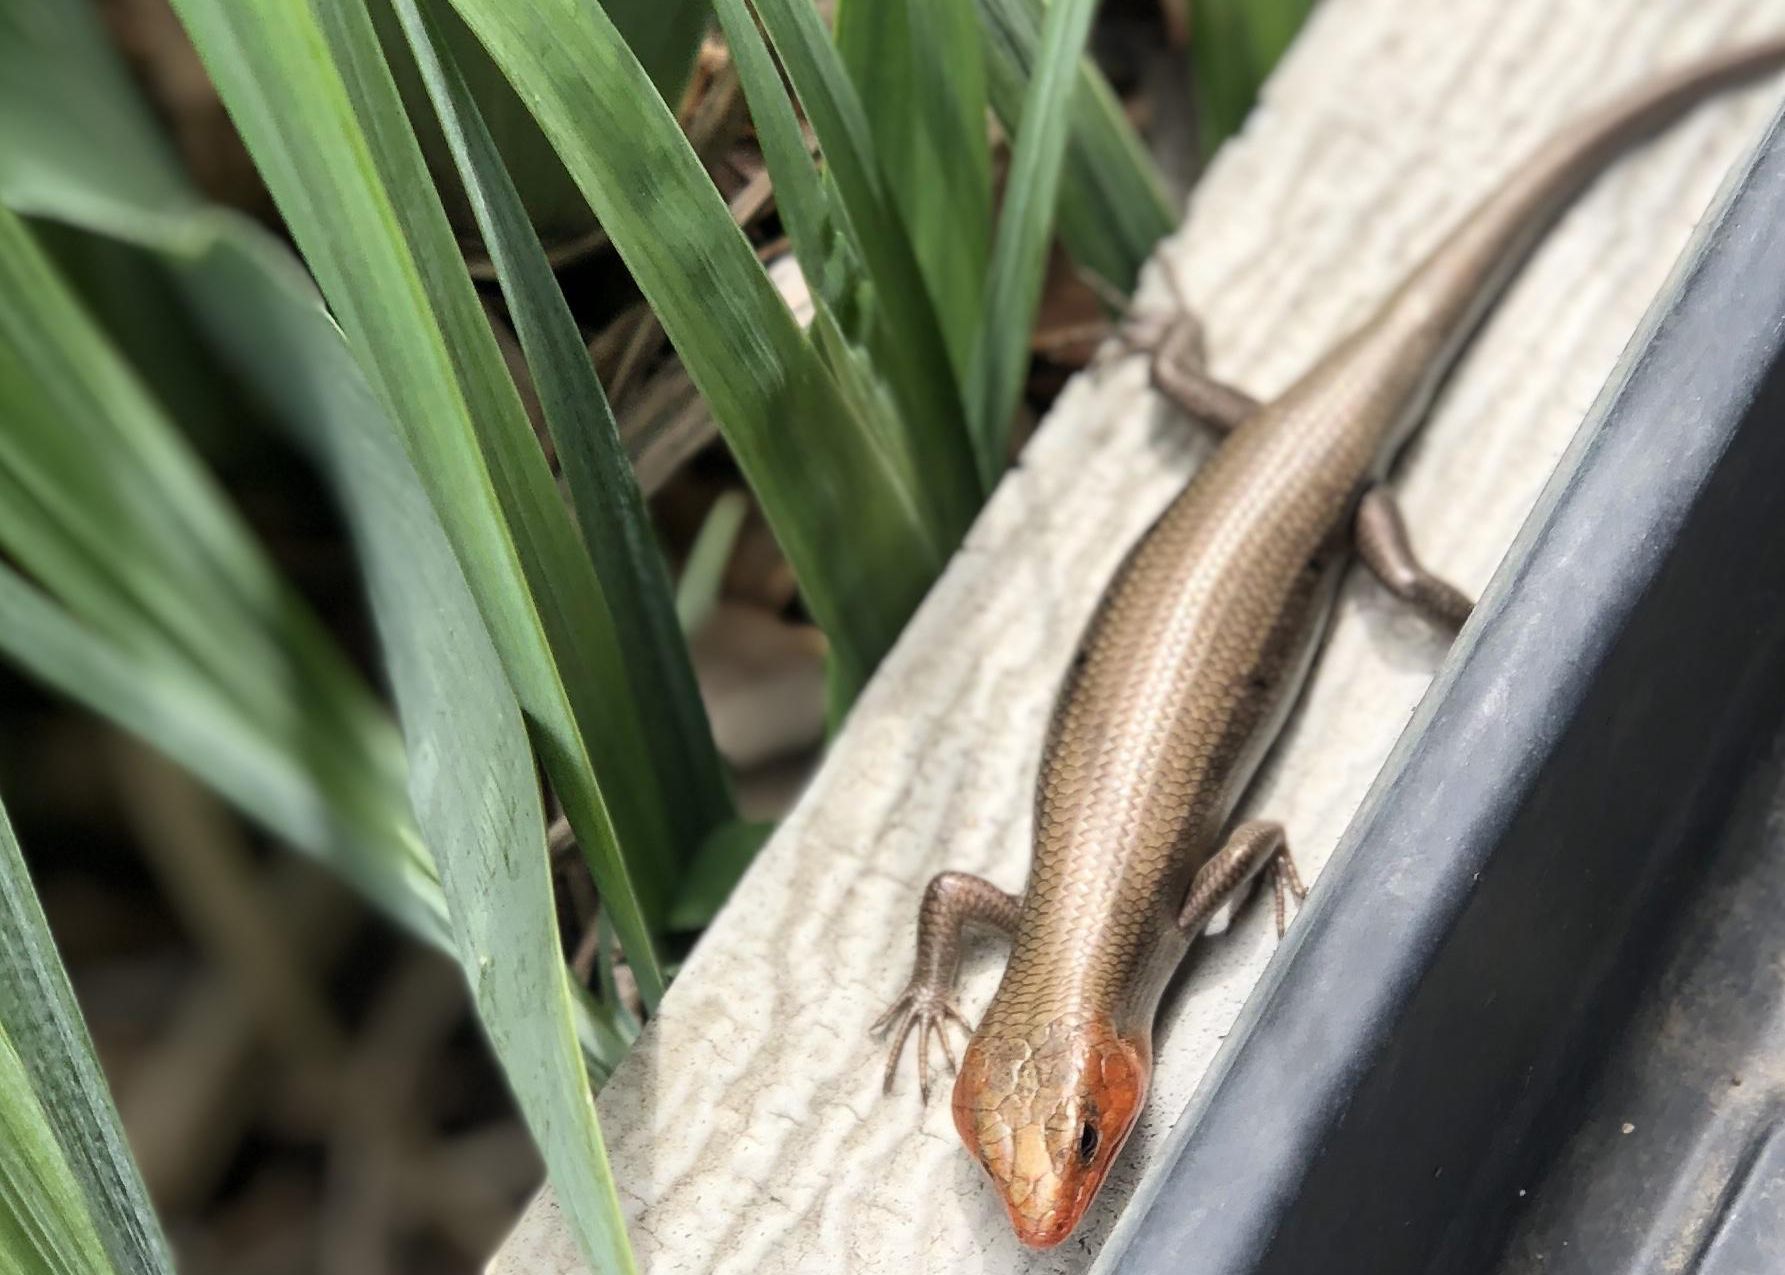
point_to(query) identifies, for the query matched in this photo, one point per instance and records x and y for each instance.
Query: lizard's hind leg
(1258, 845)
(1179, 368)
(1381, 535)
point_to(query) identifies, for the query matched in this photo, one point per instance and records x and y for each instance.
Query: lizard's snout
(1045, 1115)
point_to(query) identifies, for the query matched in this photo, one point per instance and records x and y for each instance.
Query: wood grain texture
(747, 1130)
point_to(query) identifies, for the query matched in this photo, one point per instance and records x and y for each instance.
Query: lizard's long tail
(1446, 296)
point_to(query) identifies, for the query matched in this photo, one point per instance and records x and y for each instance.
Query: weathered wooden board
(747, 1130)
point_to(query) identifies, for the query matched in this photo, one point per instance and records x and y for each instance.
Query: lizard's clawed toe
(927, 1011)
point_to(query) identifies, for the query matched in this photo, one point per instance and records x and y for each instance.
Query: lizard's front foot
(927, 1009)
(950, 902)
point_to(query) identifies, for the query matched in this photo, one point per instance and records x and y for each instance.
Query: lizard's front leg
(951, 901)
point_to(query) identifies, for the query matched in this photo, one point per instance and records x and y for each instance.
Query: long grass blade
(480, 812)
(71, 1199)
(1233, 46)
(816, 221)
(604, 492)
(1113, 205)
(172, 617)
(187, 720)
(479, 800)
(1025, 231)
(844, 332)
(554, 205)
(263, 316)
(703, 574)
(316, 105)
(85, 455)
(856, 536)
(910, 342)
(820, 243)
(919, 68)
(663, 35)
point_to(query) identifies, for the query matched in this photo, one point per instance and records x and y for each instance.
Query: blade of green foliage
(1233, 46)
(134, 303)
(604, 492)
(815, 218)
(44, 1228)
(87, 457)
(715, 872)
(185, 718)
(607, 977)
(475, 783)
(909, 341)
(1025, 232)
(315, 103)
(173, 621)
(859, 382)
(855, 534)
(555, 207)
(265, 319)
(697, 592)
(464, 783)
(480, 811)
(605, 1028)
(663, 35)
(1113, 205)
(71, 1199)
(801, 200)
(919, 67)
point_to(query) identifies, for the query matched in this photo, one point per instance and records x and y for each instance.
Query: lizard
(1185, 674)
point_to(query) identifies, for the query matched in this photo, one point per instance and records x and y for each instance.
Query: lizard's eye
(1087, 1143)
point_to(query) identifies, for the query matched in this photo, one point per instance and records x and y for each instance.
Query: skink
(1182, 680)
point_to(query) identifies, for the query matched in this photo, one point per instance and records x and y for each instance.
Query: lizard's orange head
(1046, 1112)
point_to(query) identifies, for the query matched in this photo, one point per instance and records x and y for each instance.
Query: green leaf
(919, 68)
(186, 719)
(697, 593)
(136, 306)
(187, 571)
(472, 771)
(812, 224)
(173, 622)
(606, 975)
(909, 343)
(855, 533)
(1025, 232)
(265, 318)
(663, 35)
(316, 105)
(716, 870)
(480, 812)
(815, 220)
(1113, 205)
(51, 132)
(554, 205)
(71, 1200)
(1233, 46)
(610, 509)
(858, 380)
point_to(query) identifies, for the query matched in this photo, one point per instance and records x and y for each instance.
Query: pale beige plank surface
(747, 1130)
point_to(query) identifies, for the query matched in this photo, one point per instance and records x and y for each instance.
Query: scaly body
(1190, 664)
